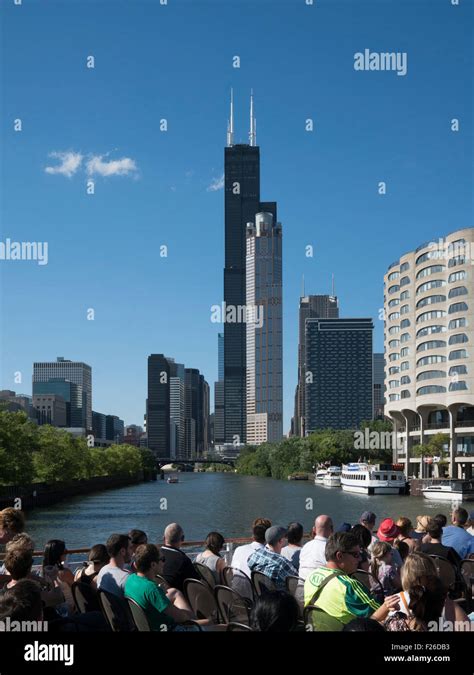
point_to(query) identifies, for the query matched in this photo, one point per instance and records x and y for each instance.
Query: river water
(202, 502)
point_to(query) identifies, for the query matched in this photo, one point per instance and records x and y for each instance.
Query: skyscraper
(177, 405)
(264, 330)
(242, 203)
(219, 394)
(339, 382)
(379, 385)
(158, 405)
(311, 307)
(75, 371)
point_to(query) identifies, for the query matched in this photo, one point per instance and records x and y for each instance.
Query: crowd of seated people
(360, 577)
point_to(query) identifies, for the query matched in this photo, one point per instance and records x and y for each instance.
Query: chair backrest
(233, 607)
(446, 571)
(320, 620)
(262, 583)
(116, 612)
(139, 617)
(371, 582)
(162, 583)
(85, 597)
(205, 574)
(239, 581)
(291, 584)
(238, 628)
(201, 599)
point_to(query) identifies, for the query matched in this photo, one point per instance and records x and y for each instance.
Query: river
(202, 502)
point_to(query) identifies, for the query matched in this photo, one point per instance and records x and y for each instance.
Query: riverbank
(27, 497)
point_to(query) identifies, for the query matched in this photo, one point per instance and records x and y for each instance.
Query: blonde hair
(417, 566)
(21, 541)
(422, 522)
(379, 551)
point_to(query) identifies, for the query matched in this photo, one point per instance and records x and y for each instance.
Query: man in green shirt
(343, 597)
(163, 610)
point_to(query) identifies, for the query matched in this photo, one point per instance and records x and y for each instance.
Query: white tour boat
(450, 490)
(333, 477)
(319, 477)
(373, 479)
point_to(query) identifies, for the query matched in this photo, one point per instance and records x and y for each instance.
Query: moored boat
(333, 477)
(449, 490)
(373, 479)
(319, 476)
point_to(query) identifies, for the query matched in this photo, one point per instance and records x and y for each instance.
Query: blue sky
(175, 62)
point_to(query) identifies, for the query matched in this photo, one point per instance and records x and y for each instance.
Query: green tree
(148, 459)
(123, 459)
(18, 439)
(59, 457)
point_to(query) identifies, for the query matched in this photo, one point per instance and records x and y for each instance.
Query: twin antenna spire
(230, 123)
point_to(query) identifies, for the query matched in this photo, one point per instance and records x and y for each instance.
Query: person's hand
(392, 603)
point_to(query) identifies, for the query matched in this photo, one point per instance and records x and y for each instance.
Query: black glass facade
(339, 373)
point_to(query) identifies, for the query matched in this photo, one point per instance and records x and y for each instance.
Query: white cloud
(70, 163)
(114, 167)
(216, 184)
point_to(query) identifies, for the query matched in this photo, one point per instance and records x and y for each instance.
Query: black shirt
(177, 567)
(444, 551)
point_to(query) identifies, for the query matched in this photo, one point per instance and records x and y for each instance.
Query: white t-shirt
(242, 554)
(112, 579)
(312, 556)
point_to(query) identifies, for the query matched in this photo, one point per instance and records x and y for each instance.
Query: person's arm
(66, 576)
(391, 603)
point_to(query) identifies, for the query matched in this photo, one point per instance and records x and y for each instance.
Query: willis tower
(242, 203)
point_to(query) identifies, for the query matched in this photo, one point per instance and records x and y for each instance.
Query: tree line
(300, 455)
(45, 454)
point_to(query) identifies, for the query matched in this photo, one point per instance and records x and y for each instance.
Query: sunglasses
(353, 554)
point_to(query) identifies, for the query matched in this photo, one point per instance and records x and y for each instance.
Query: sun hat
(388, 530)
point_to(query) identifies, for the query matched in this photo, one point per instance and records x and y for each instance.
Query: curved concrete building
(429, 350)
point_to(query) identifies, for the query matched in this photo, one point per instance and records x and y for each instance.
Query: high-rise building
(73, 396)
(133, 434)
(339, 381)
(264, 330)
(196, 413)
(311, 307)
(114, 429)
(50, 409)
(242, 203)
(219, 394)
(75, 371)
(158, 405)
(177, 409)
(99, 428)
(379, 385)
(429, 368)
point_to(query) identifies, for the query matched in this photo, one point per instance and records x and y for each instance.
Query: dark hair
(145, 555)
(441, 519)
(22, 602)
(98, 554)
(405, 526)
(340, 541)
(295, 533)
(427, 602)
(53, 551)
(434, 529)
(274, 612)
(12, 520)
(363, 626)
(137, 537)
(18, 563)
(461, 515)
(214, 542)
(363, 535)
(259, 527)
(402, 547)
(115, 543)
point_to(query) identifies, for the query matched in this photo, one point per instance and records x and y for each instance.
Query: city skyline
(104, 249)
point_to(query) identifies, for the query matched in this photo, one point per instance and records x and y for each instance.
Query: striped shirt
(343, 597)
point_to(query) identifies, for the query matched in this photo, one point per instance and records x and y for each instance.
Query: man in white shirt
(313, 553)
(243, 553)
(112, 577)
